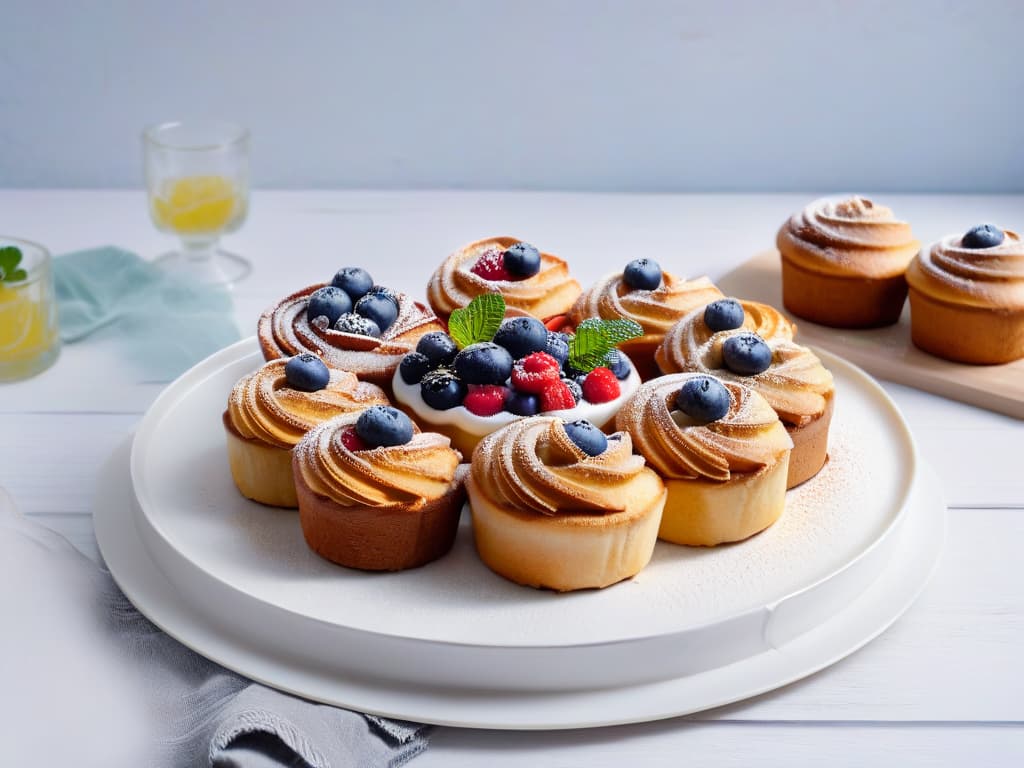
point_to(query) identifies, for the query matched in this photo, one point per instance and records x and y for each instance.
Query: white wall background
(567, 94)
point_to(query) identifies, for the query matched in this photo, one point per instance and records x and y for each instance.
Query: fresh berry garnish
(387, 293)
(521, 336)
(556, 396)
(522, 260)
(441, 389)
(618, 364)
(351, 439)
(382, 425)
(355, 281)
(438, 347)
(534, 372)
(746, 354)
(379, 308)
(642, 274)
(329, 302)
(483, 363)
(704, 399)
(557, 345)
(588, 438)
(306, 372)
(357, 324)
(414, 367)
(491, 266)
(486, 399)
(601, 386)
(522, 403)
(723, 315)
(982, 236)
(575, 388)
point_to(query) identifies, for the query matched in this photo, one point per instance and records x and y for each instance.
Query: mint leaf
(595, 338)
(16, 275)
(10, 258)
(478, 321)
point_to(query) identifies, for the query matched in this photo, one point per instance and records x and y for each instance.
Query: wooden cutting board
(886, 352)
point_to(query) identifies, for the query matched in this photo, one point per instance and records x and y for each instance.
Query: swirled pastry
(843, 263)
(724, 466)
(542, 288)
(795, 383)
(655, 309)
(550, 513)
(967, 296)
(287, 329)
(377, 508)
(267, 416)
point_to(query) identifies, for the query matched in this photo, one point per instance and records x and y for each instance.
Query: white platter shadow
(452, 643)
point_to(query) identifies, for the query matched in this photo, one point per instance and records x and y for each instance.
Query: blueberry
(618, 364)
(746, 354)
(438, 347)
(306, 372)
(557, 345)
(723, 315)
(378, 308)
(383, 425)
(357, 324)
(522, 260)
(441, 389)
(413, 367)
(483, 363)
(522, 404)
(576, 387)
(354, 281)
(642, 274)
(982, 236)
(704, 399)
(387, 293)
(329, 302)
(521, 336)
(586, 436)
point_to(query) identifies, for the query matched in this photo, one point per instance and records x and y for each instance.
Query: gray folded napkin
(72, 644)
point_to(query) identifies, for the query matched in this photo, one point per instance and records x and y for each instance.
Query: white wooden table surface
(943, 686)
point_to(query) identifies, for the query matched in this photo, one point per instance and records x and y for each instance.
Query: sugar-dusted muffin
(843, 263)
(271, 409)
(721, 450)
(352, 324)
(752, 344)
(532, 282)
(967, 296)
(559, 505)
(644, 293)
(489, 371)
(377, 494)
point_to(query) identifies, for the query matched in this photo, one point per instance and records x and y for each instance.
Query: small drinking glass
(197, 180)
(29, 342)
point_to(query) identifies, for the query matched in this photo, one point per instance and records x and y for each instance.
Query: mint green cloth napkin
(164, 322)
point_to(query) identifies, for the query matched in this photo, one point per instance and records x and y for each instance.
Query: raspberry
(601, 386)
(351, 439)
(491, 266)
(556, 397)
(485, 399)
(534, 372)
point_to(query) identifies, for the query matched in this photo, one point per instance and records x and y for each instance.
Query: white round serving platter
(452, 643)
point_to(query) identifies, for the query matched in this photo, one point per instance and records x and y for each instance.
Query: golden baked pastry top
(851, 237)
(981, 277)
(747, 439)
(263, 406)
(796, 384)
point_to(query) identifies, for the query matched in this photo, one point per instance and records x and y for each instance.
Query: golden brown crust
(548, 293)
(966, 334)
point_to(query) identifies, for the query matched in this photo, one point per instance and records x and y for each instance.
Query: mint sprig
(477, 321)
(595, 338)
(10, 258)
